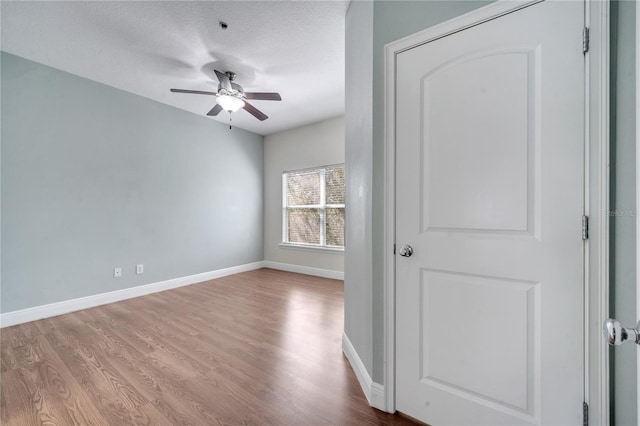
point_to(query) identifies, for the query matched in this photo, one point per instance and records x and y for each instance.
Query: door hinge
(585, 40)
(585, 227)
(585, 414)
(394, 249)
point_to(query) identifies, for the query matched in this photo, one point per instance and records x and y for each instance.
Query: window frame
(323, 206)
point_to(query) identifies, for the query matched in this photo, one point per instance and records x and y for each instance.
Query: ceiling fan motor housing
(237, 89)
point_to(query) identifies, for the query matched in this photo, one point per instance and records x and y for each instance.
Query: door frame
(637, 212)
(596, 303)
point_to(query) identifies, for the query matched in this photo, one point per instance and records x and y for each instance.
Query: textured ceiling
(146, 47)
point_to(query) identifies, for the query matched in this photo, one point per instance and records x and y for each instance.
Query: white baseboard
(53, 309)
(372, 390)
(307, 270)
(377, 396)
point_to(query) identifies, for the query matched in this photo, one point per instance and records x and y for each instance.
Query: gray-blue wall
(94, 178)
(358, 295)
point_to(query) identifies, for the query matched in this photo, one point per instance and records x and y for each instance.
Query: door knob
(616, 334)
(406, 250)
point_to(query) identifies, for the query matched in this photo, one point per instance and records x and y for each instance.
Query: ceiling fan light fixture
(230, 103)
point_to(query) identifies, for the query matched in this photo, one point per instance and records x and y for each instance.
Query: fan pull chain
(229, 120)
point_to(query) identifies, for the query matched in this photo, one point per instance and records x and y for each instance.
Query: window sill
(312, 247)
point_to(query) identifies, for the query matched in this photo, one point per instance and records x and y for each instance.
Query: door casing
(638, 194)
(596, 189)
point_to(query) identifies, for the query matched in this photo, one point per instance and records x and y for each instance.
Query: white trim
(597, 208)
(596, 307)
(358, 366)
(323, 206)
(638, 200)
(389, 231)
(307, 270)
(459, 23)
(330, 249)
(374, 392)
(53, 309)
(377, 398)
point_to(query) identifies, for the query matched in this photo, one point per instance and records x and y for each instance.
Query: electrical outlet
(139, 268)
(117, 272)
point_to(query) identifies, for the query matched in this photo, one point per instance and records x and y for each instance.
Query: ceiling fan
(231, 97)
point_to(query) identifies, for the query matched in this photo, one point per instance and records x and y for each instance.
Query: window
(313, 207)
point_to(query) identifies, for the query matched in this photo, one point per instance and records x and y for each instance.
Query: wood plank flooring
(257, 348)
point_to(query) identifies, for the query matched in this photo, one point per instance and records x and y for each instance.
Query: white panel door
(489, 193)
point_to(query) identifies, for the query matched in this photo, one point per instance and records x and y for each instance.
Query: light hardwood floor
(257, 348)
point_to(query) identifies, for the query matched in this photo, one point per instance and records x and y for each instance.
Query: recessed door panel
(487, 346)
(479, 174)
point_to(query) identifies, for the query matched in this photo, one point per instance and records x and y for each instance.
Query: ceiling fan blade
(263, 96)
(224, 80)
(195, 92)
(215, 110)
(254, 111)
